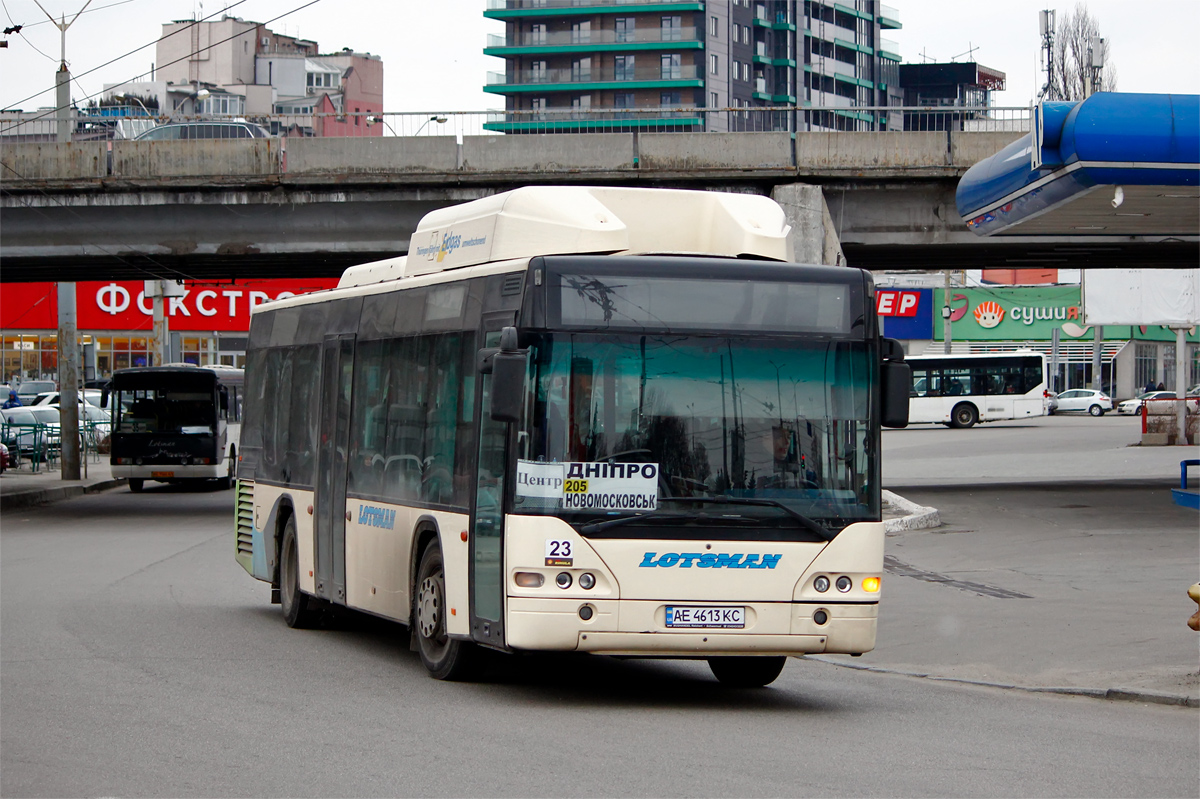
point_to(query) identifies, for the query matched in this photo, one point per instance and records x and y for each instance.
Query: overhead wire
(192, 24)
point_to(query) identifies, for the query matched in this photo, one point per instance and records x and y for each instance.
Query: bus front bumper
(638, 627)
(170, 471)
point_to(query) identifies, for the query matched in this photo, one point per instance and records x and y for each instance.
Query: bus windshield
(704, 437)
(186, 406)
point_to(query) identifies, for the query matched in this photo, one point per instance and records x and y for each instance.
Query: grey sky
(433, 58)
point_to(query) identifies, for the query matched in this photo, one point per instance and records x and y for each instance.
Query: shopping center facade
(1004, 318)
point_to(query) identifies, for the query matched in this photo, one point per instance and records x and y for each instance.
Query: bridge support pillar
(814, 236)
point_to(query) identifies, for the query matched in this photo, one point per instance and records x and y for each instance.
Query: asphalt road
(139, 660)
(1046, 448)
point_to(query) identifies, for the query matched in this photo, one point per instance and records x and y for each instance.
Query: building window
(538, 106)
(581, 32)
(537, 33)
(714, 27)
(672, 66)
(537, 72)
(581, 70)
(623, 100)
(672, 29)
(714, 101)
(624, 26)
(581, 105)
(623, 67)
(714, 64)
(1145, 365)
(670, 99)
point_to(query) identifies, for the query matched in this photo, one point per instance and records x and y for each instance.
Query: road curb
(1121, 694)
(43, 496)
(917, 517)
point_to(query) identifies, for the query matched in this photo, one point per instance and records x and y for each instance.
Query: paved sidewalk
(24, 488)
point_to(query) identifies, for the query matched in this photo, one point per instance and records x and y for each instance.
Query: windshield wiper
(805, 522)
(596, 527)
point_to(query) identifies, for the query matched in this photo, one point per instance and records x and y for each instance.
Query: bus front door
(337, 371)
(487, 519)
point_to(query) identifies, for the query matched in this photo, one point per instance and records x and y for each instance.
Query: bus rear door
(337, 372)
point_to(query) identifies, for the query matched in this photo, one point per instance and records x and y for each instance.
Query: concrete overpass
(305, 207)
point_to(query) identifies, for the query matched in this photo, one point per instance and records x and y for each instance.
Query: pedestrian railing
(780, 114)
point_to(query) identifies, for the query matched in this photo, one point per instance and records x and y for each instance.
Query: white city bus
(175, 423)
(537, 432)
(959, 390)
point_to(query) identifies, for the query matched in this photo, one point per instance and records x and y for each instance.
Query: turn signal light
(529, 579)
(870, 585)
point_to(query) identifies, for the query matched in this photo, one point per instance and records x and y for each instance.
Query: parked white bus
(960, 390)
(536, 432)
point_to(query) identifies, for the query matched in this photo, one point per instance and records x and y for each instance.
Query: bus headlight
(587, 581)
(844, 584)
(563, 580)
(821, 584)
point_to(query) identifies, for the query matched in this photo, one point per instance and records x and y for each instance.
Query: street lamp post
(437, 119)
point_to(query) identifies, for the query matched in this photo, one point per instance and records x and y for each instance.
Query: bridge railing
(833, 116)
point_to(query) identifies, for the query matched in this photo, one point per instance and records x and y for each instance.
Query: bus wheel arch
(444, 657)
(298, 610)
(964, 415)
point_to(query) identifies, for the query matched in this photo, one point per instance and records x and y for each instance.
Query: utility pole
(68, 325)
(946, 312)
(1097, 52)
(1046, 26)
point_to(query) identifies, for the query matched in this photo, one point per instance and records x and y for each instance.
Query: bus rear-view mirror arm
(895, 383)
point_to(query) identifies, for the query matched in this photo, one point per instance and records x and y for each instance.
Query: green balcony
(516, 9)
(598, 41)
(529, 81)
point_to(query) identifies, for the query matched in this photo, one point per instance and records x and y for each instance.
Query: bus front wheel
(298, 611)
(444, 657)
(964, 415)
(746, 672)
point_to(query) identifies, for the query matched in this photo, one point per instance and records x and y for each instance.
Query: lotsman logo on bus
(376, 517)
(710, 560)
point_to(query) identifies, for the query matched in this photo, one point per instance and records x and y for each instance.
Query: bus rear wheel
(746, 672)
(298, 610)
(964, 415)
(444, 657)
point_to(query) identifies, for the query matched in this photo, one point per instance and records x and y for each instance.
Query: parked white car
(1080, 400)
(89, 395)
(1133, 406)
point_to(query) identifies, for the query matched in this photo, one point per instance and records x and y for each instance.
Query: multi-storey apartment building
(695, 64)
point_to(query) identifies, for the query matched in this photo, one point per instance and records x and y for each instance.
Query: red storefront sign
(890, 302)
(123, 305)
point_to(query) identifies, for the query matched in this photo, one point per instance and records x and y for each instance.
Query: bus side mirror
(104, 398)
(507, 365)
(895, 384)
